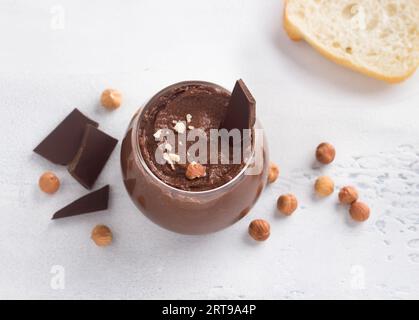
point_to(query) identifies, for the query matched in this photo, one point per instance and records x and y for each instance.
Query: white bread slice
(379, 38)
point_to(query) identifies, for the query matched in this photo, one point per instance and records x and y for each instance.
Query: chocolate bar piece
(95, 150)
(92, 202)
(61, 145)
(241, 110)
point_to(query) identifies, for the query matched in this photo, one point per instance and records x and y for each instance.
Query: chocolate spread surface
(206, 106)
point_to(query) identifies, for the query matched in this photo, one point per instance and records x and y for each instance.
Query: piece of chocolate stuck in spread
(241, 111)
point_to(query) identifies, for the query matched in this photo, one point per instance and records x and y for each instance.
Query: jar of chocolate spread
(156, 160)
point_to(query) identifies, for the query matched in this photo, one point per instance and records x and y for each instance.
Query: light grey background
(60, 54)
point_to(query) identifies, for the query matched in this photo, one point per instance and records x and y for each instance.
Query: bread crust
(295, 34)
(291, 31)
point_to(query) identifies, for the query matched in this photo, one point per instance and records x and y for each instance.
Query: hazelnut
(287, 204)
(348, 195)
(324, 186)
(359, 211)
(259, 230)
(111, 99)
(273, 172)
(195, 170)
(325, 153)
(49, 182)
(102, 235)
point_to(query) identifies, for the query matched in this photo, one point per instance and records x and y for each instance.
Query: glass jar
(188, 212)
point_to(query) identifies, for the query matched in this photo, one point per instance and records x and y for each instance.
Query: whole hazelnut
(102, 235)
(259, 230)
(111, 99)
(348, 195)
(287, 203)
(195, 170)
(359, 211)
(324, 186)
(49, 182)
(273, 172)
(325, 153)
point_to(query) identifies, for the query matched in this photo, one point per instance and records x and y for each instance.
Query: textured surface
(49, 66)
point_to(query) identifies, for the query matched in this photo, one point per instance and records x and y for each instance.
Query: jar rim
(139, 156)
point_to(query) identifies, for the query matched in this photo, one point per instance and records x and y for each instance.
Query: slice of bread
(379, 38)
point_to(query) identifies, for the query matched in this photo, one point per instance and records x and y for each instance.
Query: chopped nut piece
(168, 160)
(157, 134)
(171, 158)
(195, 170)
(188, 118)
(174, 157)
(259, 230)
(180, 127)
(191, 127)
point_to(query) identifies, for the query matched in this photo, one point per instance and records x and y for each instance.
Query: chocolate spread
(206, 107)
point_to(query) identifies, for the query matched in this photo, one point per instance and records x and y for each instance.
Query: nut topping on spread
(157, 134)
(180, 127)
(201, 106)
(171, 158)
(195, 170)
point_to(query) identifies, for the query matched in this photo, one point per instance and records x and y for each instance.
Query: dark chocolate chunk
(94, 201)
(61, 145)
(95, 150)
(241, 111)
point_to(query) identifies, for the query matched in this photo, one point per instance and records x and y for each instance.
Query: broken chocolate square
(241, 110)
(95, 150)
(61, 145)
(92, 202)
